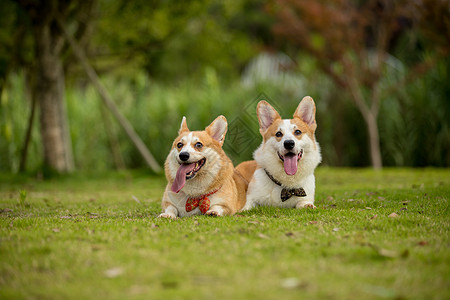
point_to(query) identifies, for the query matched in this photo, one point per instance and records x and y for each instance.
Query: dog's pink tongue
(180, 179)
(290, 164)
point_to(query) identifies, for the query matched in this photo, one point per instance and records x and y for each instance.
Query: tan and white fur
(289, 153)
(213, 170)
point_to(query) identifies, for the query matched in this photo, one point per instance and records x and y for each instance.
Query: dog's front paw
(305, 205)
(247, 206)
(167, 216)
(212, 213)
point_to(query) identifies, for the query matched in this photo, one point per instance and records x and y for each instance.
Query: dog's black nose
(289, 144)
(184, 156)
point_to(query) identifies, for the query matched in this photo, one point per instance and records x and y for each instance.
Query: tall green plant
(14, 112)
(416, 128)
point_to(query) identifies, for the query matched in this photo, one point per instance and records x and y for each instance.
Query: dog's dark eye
(279, 134)
(198, 145)
(180, 145)
(297, 132)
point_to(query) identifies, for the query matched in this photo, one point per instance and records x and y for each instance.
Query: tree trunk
(49, 93)
(113, 141)
(370, 117)
(79, 53)
(30, 99)
(374, 140)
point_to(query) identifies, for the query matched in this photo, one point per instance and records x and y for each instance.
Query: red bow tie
(201, 202)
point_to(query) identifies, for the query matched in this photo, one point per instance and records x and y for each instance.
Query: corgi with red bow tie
(201, 178)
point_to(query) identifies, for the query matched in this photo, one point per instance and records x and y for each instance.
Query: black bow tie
(287, 193)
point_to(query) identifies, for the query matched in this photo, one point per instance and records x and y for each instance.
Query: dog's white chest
(274, 198)
(179, 201)
(263, 191)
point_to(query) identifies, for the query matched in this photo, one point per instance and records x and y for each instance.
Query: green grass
(97, 237)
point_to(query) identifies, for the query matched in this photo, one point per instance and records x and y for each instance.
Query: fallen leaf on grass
(374, 217)
(422, 243)
(135, 199)
(114, 272)
(263, 236)
(255, 222)
(313, 222)
(390, 253)
(292, 283)
(387, 253)
(289, 233)
(393, 215)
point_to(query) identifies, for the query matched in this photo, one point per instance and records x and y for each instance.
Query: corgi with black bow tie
(282, 173)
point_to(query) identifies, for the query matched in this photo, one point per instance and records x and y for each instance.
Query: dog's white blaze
(187, 141)
(288, 128)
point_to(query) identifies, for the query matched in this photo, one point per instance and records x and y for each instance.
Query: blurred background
(378, 71)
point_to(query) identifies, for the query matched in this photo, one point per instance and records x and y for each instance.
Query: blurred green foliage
(161, 60)
(171, 40)
(414, 124)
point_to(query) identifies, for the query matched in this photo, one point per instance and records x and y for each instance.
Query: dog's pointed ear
(266, 114)
(183, 126)
(306, 111)
(217, 129)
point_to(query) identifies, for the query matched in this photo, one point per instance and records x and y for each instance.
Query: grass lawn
(374, 235)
